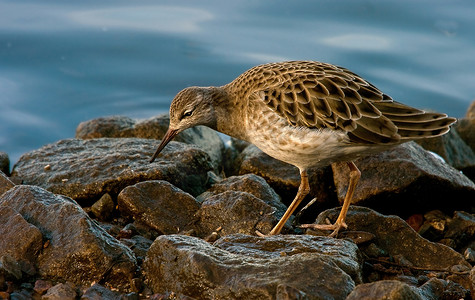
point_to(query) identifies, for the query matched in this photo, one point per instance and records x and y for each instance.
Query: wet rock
(123, 127)
(86, 169)
(385, 289)
(61, 291)
(397, 238)
(285, 178)
(159, 205)
(249, 267)
(4, 163)
(5, 183)
(453, 150)
(406, 180)
(77, 249)
(239, 204)
(19, 239)
(103, 208)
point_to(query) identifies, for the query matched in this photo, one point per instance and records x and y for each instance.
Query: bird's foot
(335, 227)
(258, 233)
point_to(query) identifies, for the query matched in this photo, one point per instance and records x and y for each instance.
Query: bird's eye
(187, 113)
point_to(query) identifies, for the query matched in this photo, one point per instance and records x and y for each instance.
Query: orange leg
(304, 189)
(355, 175)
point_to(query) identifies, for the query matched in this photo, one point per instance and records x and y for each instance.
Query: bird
(307, 114)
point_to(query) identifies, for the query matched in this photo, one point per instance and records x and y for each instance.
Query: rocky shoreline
(91, 218)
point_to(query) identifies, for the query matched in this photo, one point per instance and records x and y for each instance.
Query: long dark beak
(166, 138)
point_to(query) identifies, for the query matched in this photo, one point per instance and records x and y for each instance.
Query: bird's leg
(304, 189)
(355, 175)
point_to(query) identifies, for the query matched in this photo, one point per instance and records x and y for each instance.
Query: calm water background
(63, 62)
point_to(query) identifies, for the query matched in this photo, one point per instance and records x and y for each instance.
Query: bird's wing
(319, 95)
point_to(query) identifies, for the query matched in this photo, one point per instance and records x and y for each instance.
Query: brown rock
(406, 180)
(61, 291)
(123, 127)
(248, 267)
(5, 183)
(77, 250)
(103, 208)
(159, 205)
(4, 163)
(385, 289)
(42, 286)
(86, 169)
(19, 239)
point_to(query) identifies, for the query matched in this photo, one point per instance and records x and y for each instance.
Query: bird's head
(191, 107)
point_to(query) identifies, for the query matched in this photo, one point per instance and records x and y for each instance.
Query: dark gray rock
(285, 178)
(159, 205)
(19, 239)
(436, 289)
(103, 208)
(10, 268)
(406, 180)
(154, 128)
(453, 150)
(397, 238)
(4, 163)
(78, 250)
(249, 267)
(460, 230)
(61, 291)
(466, 129)
(5, 183)
(86, 169)
(239, 204)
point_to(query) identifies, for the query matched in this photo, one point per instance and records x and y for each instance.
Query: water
(63, 62)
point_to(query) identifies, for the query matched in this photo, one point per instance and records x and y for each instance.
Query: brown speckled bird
(308, 114)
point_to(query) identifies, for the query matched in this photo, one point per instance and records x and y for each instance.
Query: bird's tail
(413, 123)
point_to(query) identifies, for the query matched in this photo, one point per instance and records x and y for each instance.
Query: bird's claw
(335, 227)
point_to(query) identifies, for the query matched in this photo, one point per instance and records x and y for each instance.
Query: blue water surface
(63, 62)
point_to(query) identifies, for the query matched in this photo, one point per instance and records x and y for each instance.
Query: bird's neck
(229, 112)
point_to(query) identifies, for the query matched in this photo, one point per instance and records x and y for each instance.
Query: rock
(466, 129)
(10, 268)
(123, 127)
(5, 183)
(248, 183)
(86, 169)
(385, 289)
(77, 249)
(406, 180)
(395, 290)
(4, 163)
(471, 110)
(61, 291)
(159, 205)
(461, 230)
(97, 291)
(232, 152)
(239, 204)
(453, 150)
(249, 267)
(42, 286)
(285, 178)
(103, 208)
(397, 238)
(19, 239)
